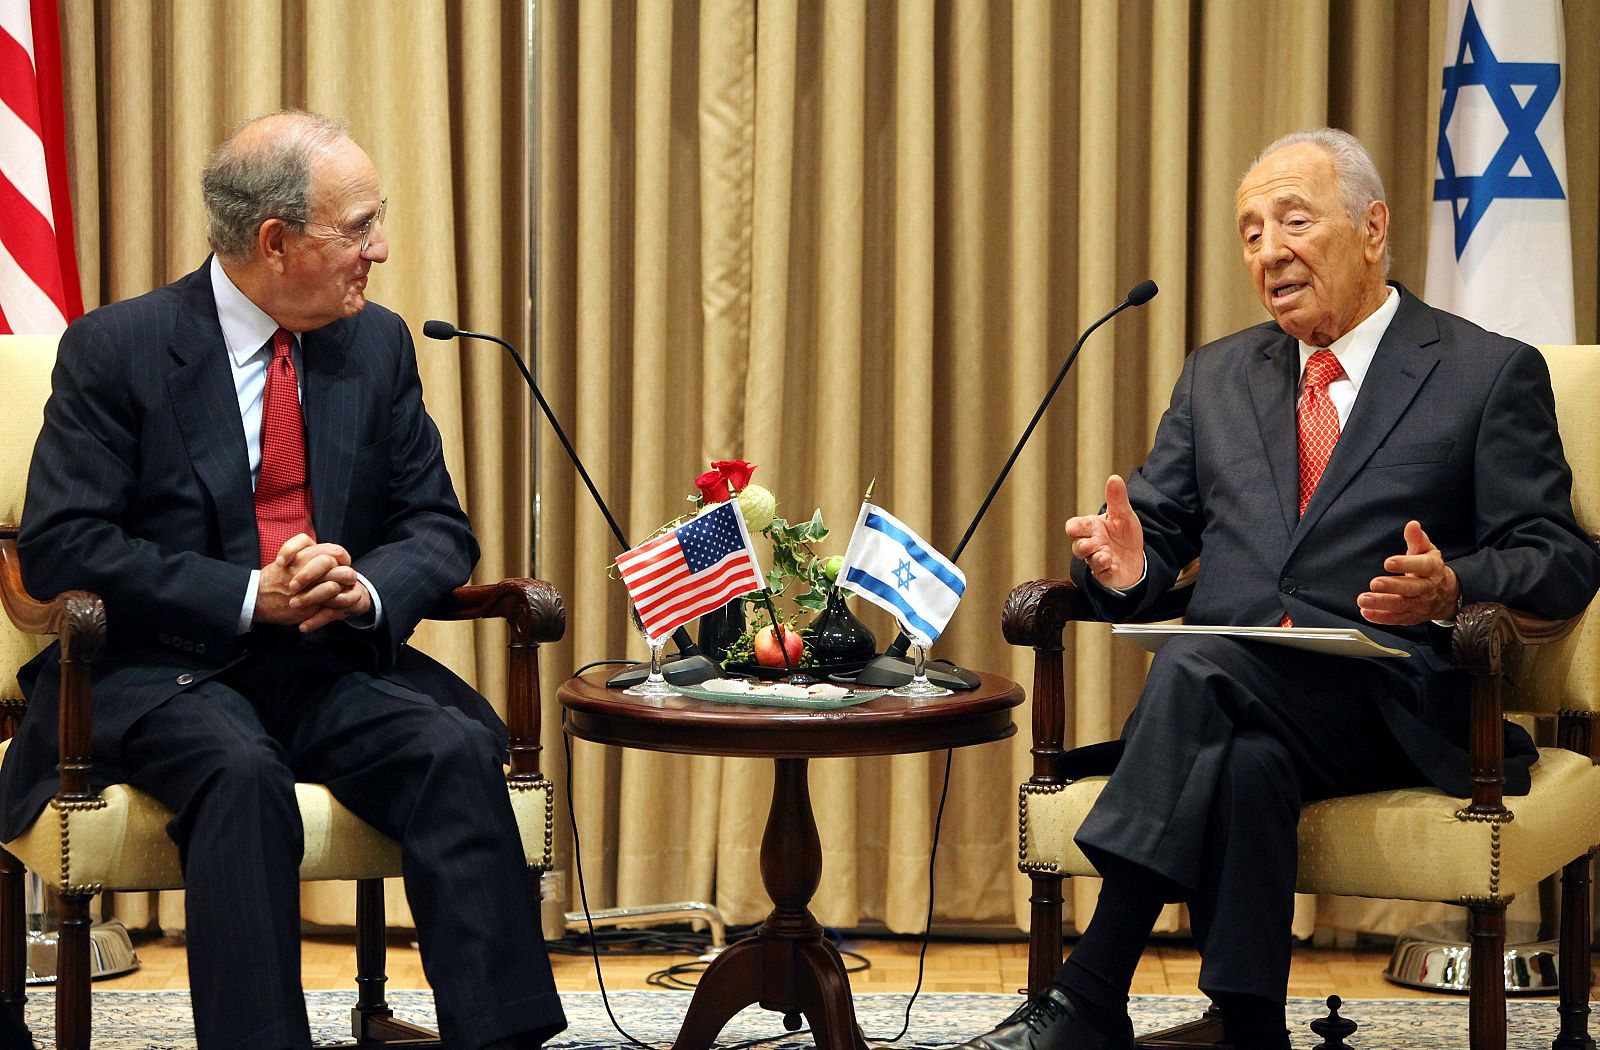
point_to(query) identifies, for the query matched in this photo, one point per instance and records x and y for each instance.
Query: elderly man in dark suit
(1362, 461)
(241, 465)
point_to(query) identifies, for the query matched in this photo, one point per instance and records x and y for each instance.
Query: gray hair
(253, 177)
(1358, 176)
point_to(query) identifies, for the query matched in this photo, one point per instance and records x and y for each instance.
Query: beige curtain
(851, 240)
(436, 92)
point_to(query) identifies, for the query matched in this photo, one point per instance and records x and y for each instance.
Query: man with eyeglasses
(241, 466)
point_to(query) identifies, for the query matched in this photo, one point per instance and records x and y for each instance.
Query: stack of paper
(1337, 641)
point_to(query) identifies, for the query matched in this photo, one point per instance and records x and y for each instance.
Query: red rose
(714, 483)
(735, 472)
(712, 486)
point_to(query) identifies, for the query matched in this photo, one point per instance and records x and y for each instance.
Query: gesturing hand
(1110, 543)
(1423, 587)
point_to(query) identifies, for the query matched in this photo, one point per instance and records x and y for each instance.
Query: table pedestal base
(788, 966)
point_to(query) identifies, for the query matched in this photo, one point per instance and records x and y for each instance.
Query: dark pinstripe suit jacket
(1454, 426)
(139, 491)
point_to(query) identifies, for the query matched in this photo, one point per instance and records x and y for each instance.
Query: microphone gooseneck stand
(690, 666)
(892, 668)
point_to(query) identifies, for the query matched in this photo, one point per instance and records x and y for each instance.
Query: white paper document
(1337, 641)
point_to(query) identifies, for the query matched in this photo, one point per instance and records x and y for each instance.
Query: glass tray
(804, 703)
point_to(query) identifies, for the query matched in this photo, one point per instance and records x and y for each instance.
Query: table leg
(788, 966)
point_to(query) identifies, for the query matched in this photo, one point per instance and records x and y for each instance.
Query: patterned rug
(161, 1021)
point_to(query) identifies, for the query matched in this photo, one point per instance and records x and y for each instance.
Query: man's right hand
(1110, 543)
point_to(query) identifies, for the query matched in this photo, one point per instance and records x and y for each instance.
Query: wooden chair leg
(1486, 932)
(13, 935)
(1575, 973)
(72, 972)
(372, 1023)
(1044, 930)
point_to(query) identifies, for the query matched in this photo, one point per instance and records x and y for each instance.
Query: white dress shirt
(247, 330)
(1355, 350)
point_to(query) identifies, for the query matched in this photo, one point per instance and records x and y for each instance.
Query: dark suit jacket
(139, 491)
(1453, 426)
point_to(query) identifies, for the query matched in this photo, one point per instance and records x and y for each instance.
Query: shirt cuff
(373, 616)
(247, 615)
(1122, 592)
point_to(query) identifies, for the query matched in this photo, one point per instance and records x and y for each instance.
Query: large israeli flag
(889, 565)
(1500, 241)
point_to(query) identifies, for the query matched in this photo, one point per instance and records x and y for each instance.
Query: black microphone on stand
(691, 666)
(892, 668)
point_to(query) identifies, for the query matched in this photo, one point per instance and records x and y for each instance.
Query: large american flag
(691, 570)
(39, 291)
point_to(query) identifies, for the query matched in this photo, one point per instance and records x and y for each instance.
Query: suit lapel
(206, 405)
(330, 399)
(1272, 376)
(1406, 355)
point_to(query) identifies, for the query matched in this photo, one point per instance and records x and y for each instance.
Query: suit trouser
(1228, 741)
(224, 757)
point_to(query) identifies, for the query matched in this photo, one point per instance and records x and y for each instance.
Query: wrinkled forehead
(1290, 178)
(343, 178)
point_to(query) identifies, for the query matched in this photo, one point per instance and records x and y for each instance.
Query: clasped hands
(311, 585)
(1422, 587)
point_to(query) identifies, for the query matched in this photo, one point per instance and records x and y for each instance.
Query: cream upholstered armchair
(87, 841)
(1417, 844)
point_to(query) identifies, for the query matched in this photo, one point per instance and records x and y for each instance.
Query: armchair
(1415, 844)
(87, 841)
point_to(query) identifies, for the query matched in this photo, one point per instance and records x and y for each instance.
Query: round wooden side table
(788, 966)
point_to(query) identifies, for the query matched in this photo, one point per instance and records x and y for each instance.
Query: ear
(271, 244)
(1375, 230)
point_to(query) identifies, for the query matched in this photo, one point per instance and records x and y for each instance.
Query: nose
(1274, 247)
(377, 243)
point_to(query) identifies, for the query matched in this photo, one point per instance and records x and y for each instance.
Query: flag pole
(772, 612)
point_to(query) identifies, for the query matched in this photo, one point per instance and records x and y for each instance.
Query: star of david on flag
(891, 566)
(697, 567)
(1500, 240)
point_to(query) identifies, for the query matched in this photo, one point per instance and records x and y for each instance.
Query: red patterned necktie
(1319, 421)
(283, 495)
(1319, 426)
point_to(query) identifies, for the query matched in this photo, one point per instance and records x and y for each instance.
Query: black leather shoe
(1054, 1022)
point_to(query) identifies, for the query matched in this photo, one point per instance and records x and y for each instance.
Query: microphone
(892, 668)
(690, 667)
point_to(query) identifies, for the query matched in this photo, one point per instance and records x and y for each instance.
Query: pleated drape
(854, 240)
(436, 92)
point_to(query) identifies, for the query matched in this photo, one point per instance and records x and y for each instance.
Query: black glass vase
(837, 637)
(720, 628)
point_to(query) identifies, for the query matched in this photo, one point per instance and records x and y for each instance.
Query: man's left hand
(1423, 587)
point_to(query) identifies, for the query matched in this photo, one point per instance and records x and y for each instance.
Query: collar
(1356, 347)
(246, 328)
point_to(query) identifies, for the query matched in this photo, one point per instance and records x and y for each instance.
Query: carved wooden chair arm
(78, 620)
(1478, 644)
(532, 607)
(1036, 611)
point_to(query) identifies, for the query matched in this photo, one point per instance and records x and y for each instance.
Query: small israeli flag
(891, 566)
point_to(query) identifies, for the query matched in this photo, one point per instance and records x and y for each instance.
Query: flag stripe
(31, 242)
(886, 594)
(22, 163)
(29, 310)
(935, 566)
(18, 91)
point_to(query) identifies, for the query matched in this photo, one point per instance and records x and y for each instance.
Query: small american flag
(691, 570)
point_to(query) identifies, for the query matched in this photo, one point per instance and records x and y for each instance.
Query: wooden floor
(952, 966)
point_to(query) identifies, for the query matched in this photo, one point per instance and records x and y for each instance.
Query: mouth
(1284, 292)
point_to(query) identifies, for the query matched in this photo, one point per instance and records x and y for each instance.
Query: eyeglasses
(361, 232)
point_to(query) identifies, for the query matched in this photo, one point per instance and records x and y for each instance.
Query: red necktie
(283, 496)
(1319, 421)
(1319, 425)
